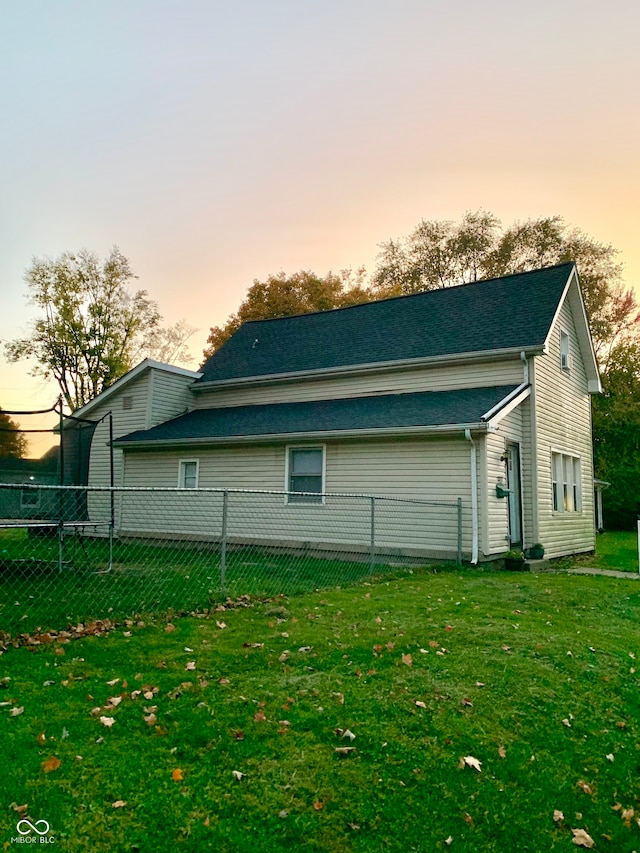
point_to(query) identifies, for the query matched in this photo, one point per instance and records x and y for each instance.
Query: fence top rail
(220, 491)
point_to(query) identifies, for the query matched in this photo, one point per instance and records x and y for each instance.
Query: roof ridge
(412, 295)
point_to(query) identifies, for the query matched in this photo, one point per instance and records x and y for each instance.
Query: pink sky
(218, 142)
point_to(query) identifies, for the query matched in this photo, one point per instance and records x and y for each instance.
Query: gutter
(390, 432)
(474, 497)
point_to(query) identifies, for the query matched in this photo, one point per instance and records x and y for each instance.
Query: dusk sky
(218, 142)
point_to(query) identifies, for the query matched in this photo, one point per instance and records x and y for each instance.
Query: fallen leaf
(113, 702)
(191, 665)
(259, 717)
(41, 738)
(470, 761)
(220, 625)
(318, 806)
(433, 644)
(345, 750)
(223, 681)
(467, 702)
(610, 757)
(627, 817)
(151, 720)
(349, 734)
(237, 775)
(448, 840)
(582, 838)
(113, 681)
(50, 764)
(566, 723)
(339, 697)
(118, 804)
(168, 628)
(107, 721)
(15, 712)
(407, 660)
(285, 654)
(421, 704)
(502, 752)
(176, 775)
(585, 787)
(557, 815)
(284, 813)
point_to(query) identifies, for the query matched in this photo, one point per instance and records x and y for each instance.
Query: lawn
(615, 549)
(461, 711)
(39, 591)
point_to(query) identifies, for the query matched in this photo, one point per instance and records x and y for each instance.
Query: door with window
(515, 494)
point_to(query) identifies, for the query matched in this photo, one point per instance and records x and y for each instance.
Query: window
(305, 474)
(566, 480)
(566, 361)
(188, 477)
(29, 498)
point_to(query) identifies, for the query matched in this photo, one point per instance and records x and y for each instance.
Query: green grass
(555, 724)
(615, 549)
(144, 578)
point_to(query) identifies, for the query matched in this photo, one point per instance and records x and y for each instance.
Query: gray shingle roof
(511, 312)
(424, 408)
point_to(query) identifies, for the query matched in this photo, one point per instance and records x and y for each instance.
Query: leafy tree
(13, 444)
(443, 253)
(283, 295)
(90, 330)
(616, 432)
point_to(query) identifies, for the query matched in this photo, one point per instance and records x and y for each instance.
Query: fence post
(223, 541)
(373, 533)
(459, 531)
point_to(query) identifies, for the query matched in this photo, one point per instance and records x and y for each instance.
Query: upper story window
(566, 359)
(305, 474)
(188, 476)
(566, 482)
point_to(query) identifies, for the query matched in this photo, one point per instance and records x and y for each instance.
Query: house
(479, 392)
(19, 503)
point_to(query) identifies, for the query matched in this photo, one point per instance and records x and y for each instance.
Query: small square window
(188, 477)
(127, 402)
(305, 474)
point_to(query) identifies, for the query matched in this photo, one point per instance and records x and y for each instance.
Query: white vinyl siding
(434, 469)
(563, 426)
(440, 378)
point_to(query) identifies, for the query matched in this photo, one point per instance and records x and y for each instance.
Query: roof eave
(387, 432)
(372, 367)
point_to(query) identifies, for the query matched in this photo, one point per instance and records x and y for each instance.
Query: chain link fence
(70, 554)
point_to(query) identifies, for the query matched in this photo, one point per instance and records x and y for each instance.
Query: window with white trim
(305, 474)
(566, 482)
(566, 362)
(29, 498)
(188, 475)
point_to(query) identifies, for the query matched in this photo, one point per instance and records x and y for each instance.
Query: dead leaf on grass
(237, 775)
(15, 712)
(470, 761)
(119, 804)
(259, 717)
(502, 752)
(151, 719)
(50, 764)
(191, 665)
(557, 815)
(582, 838)
(344, 750)
(407, 660)
(318, 805)
(420, 703)
(107, 721)
(585, 786)
(177, 775)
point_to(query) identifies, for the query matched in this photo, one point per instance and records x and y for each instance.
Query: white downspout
(525, 361)
(474, 498)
